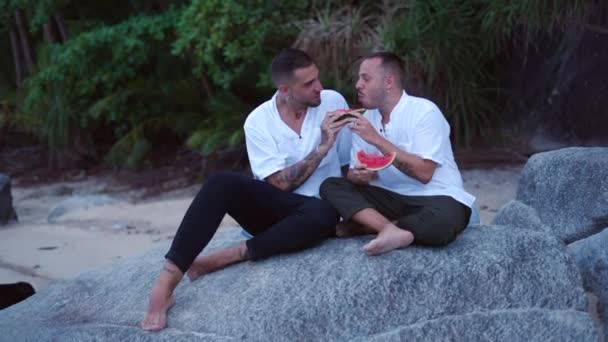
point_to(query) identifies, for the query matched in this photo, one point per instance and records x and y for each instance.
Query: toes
(150, 326)
(370, 248)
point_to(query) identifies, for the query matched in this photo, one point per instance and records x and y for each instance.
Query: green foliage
(451, 50)
(125, 80)
(333, 36)
(229, 40)
(224, 126)
(94, 79)
(450, 47)
(447, 60)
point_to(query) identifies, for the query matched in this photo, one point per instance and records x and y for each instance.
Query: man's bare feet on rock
(156, 317)
(390, 238)
(161, 298)
(216, 260)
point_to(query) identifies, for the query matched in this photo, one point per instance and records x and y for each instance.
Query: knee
(330, 184)
(224, 181)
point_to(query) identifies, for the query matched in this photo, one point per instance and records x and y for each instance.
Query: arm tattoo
(293, 176)
(404, 167)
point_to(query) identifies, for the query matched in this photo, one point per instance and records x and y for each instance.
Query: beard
(370, 99)
(309, 102)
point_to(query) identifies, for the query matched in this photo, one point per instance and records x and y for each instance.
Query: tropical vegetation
(113, 79)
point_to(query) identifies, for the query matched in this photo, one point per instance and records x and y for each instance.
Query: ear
(389, 82)
(283, 89)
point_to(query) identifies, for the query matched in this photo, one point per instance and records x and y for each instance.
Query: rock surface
(519, 215)
(502, 283)
(568, 188)
(591, 254)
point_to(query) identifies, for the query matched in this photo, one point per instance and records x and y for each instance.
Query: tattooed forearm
(293, 176)
(415, 167)
(410, 164)
(404, 167)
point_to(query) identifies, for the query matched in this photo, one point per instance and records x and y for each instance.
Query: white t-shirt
(273, 146)
(416, 126)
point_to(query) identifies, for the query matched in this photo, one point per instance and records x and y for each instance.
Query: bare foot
(346, 229)
(391, 237)
(156, 317)
(216, 260)
(161, 298)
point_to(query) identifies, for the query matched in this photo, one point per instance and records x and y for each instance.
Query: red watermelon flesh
(375, 162)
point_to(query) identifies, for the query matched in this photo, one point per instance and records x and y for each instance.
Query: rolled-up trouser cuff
(178, 261)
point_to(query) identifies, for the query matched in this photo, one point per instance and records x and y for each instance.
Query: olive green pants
(433, 220)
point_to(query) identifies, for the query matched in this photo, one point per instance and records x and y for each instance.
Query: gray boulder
(498, 325)
(77, 203)
(506, 283)
(591, 254)
(519, 215)
(7, 212)
(568, 188)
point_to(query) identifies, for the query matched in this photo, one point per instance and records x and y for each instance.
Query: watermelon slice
(375, 162)
(348, 113)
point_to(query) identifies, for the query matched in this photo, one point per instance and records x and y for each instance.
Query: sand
(40, 252)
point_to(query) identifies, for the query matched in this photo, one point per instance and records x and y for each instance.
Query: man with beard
(420, 197)
(293, 145)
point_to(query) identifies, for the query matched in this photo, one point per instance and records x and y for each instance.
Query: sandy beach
(39, 252)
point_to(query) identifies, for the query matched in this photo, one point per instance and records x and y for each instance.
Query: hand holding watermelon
(343, 114)
(361, 175)
(330, 127)
(363, 128)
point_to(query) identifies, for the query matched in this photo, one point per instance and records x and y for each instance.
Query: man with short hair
(420, 197)
(293, 145)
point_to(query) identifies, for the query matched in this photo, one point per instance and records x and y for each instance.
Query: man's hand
(330, 129)
(360, 175)
(365, 130)
(293, 176)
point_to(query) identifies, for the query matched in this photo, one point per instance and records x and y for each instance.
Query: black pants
(279, 221)
(433, 220)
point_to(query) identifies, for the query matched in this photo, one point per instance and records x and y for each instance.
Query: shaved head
(390, 63)
(286, 62)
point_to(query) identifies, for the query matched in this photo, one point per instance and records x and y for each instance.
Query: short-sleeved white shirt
(273, 146)
(416, 126)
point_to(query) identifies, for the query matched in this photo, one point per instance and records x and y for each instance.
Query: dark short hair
(286, 62)
(389, 61)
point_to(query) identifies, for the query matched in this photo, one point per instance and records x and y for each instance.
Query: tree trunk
(25, 42)
(62, 27)
(49, 32)
(16, 58)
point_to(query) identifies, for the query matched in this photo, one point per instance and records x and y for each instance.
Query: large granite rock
(591, 254)
(519, 215)
(501, 283)
(497, 325)
(7, 212)
(568, 188)
(565, 192)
